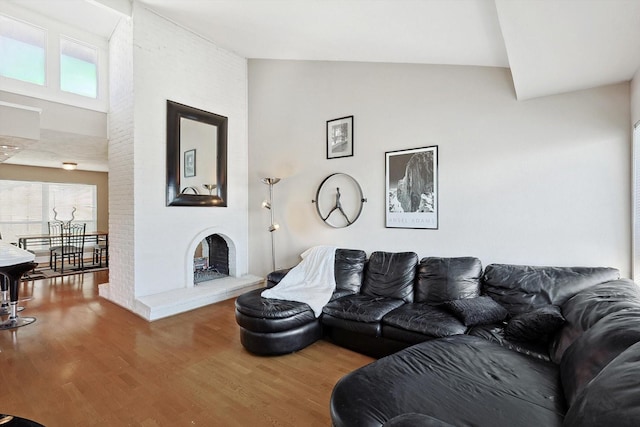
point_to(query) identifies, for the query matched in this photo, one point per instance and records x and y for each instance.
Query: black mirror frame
(175, 112)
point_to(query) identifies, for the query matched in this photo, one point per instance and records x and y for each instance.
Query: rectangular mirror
(196, 157)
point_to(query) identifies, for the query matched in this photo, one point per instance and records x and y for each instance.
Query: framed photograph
(411, 178)
(189, 163)
(340, 137)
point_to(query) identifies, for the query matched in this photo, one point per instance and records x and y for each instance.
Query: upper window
(78, 68)
(22, 49)
(43, 58)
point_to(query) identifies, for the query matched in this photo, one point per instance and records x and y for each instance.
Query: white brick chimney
(152, 245)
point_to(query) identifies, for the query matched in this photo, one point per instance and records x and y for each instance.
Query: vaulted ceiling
(550, 46)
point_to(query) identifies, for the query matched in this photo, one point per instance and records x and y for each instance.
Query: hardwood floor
(88, 362)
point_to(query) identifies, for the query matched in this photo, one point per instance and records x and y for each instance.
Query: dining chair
(55, 238)
(72, 237)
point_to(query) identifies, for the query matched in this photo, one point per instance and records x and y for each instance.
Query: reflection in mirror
(196, 157)
(198, 144)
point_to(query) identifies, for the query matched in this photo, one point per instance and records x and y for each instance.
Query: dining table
(26, 240)
(14, 262)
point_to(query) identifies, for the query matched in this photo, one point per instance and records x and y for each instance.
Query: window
(22, 49)
(43, 58)
(27, 207)
(78, 68)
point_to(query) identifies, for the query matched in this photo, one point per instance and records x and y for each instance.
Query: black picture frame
(190, 163)
(340, 137)
(411, 184)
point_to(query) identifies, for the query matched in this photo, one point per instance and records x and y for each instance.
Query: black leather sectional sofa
(504, 346)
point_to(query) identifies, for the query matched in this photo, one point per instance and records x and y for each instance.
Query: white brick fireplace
(152, 245)
(192, 296)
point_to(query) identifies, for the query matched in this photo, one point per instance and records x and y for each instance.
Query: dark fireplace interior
(211, 259)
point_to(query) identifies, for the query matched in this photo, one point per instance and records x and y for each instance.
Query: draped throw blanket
(312, 281)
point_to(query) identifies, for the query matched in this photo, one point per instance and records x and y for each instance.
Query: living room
(514, 174)
(524, 178)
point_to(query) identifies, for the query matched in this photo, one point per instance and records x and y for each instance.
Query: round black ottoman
(273, 326)
(12, 421)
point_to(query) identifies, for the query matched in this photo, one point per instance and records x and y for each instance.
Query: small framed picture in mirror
(189, 163)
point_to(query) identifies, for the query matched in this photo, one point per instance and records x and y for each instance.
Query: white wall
(544, 181)
(172, 63)
(635, 98)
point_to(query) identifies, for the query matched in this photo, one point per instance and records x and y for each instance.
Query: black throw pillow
(535, 325)
(476, 311)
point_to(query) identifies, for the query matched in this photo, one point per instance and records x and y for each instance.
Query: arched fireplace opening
(211, 259)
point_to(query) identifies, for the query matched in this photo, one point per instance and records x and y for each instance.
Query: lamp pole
(273, 226)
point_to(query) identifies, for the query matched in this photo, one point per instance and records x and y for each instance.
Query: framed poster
(340, 137)
(411, 178)
(190, 163)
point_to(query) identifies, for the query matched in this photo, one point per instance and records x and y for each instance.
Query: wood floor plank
(88, 362)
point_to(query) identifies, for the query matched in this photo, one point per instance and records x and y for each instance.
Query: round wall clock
(339, 200)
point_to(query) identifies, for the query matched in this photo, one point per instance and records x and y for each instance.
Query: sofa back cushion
(586, 308)
(446, 279)
(594, 349)
(390, 275)
(349, 269)
(611, 398)
(522, 288)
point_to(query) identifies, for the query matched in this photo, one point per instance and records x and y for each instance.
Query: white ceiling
(551, 46)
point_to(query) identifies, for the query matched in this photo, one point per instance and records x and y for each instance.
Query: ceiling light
(70, 166)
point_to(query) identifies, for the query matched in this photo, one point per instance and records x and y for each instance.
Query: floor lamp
(268, 204)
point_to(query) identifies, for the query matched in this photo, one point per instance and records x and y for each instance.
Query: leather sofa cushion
(522, 288)
(611, 398)
(373, 329)
(361, 308)
(403, 335)
(339, 293)
(461, 380)
(535, 325)
(390, 275)
(415, 420)
(253, 305)
(349, 269)
(598, 346)
(495, 333)
(586, 308)
(476, 311)
(444, 279)
(275, 277)
(269, 325)
(424, 319)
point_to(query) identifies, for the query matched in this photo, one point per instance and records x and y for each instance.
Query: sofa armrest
(274, 277)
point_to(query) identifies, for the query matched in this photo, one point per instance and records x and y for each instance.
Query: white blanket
(312, 281)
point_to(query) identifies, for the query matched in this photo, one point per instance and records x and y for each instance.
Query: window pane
(27, 207)
(73, 201)
(22, 51)
(78, 68)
